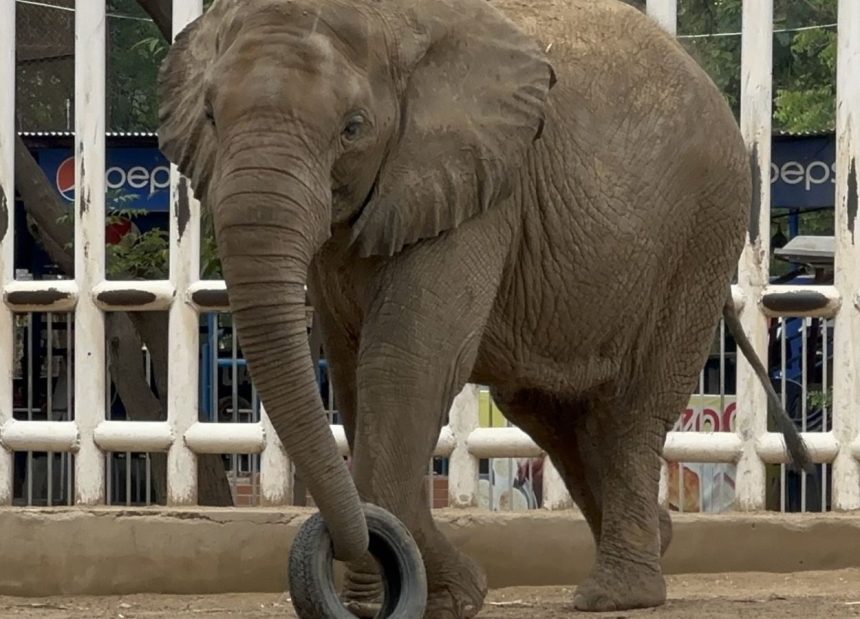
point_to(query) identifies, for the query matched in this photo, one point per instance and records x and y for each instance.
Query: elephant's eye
(353, 127)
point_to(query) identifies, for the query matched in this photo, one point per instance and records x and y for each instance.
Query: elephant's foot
(621, 585)
(457, 588)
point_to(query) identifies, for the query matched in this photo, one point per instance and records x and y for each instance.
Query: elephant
(547, 198)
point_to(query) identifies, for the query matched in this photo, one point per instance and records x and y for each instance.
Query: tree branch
(161, 13)
(44, 208)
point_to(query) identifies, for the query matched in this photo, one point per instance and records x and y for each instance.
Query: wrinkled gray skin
(457, 218)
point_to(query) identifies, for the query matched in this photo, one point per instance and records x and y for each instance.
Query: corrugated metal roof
(71, 134)
(803, 134)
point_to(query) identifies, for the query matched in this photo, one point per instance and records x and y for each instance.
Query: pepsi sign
(803, 172)
(141, 175)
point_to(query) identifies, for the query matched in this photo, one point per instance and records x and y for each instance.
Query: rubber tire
(404, 580)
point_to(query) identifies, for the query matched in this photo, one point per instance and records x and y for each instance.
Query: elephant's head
(394, 120)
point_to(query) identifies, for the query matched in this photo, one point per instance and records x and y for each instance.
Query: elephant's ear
(185, 135)
(473, 102)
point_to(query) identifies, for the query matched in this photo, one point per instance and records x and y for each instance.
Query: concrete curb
(108, 550)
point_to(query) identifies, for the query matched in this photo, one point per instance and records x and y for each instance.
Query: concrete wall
(115, 550)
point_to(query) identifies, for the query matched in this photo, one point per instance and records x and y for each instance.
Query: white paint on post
(182, 377)
(753, 269)
(90, 384)
(463, 418)
(7, 227)
(846, 347)
(663, 488)
(446, 443)
(555, 494)
(276, 470)
(665, 13)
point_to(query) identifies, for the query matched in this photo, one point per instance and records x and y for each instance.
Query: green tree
(804, 60)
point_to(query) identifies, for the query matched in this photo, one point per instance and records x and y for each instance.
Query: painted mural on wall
(516, 483)
(703, 487)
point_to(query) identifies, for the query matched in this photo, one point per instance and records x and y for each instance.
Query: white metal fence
(85, 438)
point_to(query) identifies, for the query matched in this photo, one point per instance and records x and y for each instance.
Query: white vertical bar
(276, 475)
(7, 227)
(846, 345)
(665, 13)
(555, 494)
(463, 418)
(663, 488)
(182, 377)
(89, 244)
(753, 270)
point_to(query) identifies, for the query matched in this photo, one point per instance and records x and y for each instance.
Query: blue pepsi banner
(803, 172)
(142, 175)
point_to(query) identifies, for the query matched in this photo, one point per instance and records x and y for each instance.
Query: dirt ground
(768, 596)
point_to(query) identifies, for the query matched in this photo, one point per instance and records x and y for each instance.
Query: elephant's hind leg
(556, 427)
(626, 434)
(634, 530)
(559, 428)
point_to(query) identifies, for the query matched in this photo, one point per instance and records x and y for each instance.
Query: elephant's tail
(775, 410)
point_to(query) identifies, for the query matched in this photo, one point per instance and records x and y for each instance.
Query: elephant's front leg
(418, 345)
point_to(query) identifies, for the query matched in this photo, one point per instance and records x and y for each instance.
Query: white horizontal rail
(221, 438)
(702, 447)
(41, 295)
(153, 295)
(510, 442)
(800, 300)
(501, 443)
(144, 436)
(57, 436)
(822, 447)
(211, 296)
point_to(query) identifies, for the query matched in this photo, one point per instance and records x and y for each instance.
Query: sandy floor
(778, 596)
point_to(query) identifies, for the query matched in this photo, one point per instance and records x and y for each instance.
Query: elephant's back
(638, 114)
(640, 173)
(607, 51)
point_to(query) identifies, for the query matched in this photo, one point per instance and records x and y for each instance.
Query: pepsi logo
(66, 179)
(132, 179)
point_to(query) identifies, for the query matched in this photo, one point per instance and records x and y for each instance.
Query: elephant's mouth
(371, 193)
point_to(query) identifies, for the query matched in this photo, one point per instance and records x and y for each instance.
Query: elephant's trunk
(269, 222)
